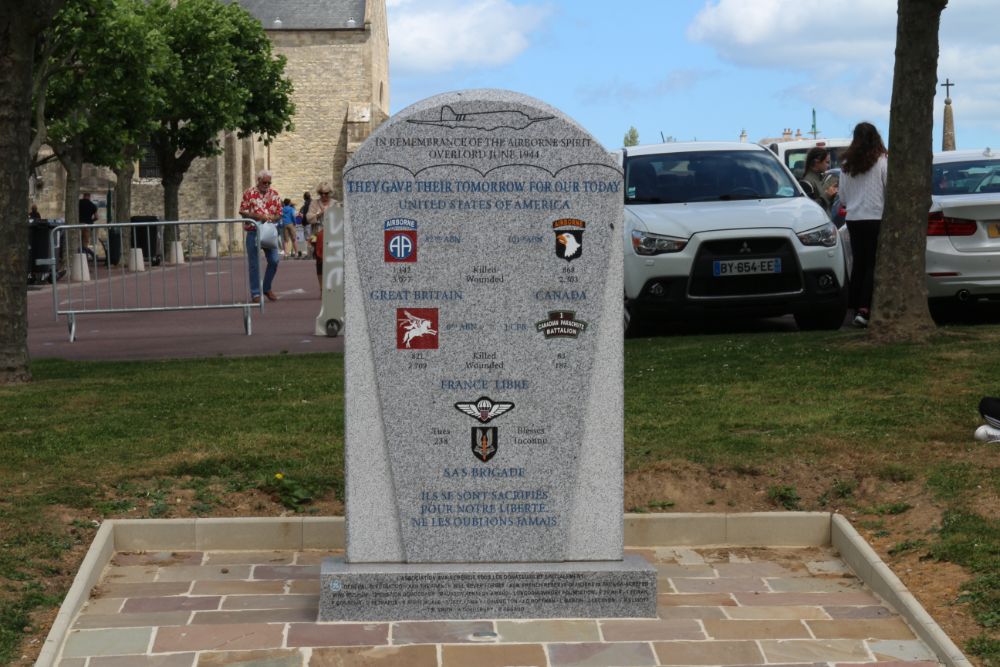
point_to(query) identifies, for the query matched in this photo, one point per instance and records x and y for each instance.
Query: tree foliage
(101, 92)
(631, 137)
(220, 75)
(900, 301)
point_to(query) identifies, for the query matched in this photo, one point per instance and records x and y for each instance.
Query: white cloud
(442, 35)
(845, 50)
(795, 34)
(618, 91)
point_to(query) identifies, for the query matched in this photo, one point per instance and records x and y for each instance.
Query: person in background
(824, 190)
(33, 214)
(263, 204)
(862, 191)
(88, 214)
(317, 209)
(303, 212)
(288, 229)
(317, 245)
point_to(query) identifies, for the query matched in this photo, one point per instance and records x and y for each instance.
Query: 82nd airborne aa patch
(400, 241)
(484, 442)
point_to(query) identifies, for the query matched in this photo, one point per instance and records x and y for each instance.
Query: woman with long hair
(862, 192)
(817, 162)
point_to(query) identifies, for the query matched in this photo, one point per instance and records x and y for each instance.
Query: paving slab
(169, 611)
(253, 612)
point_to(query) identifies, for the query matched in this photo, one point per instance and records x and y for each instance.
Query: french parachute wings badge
(484, 409)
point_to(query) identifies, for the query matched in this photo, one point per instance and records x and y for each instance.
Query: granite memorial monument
(484, 395)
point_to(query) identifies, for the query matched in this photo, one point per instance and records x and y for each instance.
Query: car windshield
(966, 178)
(672, 178)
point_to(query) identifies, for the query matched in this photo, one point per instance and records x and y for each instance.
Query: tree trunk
(172, 170)
(72, 162)
(123, 200)
(19, 25)
(74, 171)
(171, 196)
(171, 204)
(900, 301)
(16, 51)
(123, 191)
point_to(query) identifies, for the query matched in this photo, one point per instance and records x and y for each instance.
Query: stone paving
(717, 606)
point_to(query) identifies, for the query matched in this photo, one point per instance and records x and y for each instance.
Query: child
(288, 227)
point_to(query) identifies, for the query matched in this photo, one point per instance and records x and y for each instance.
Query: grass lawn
(809, 420)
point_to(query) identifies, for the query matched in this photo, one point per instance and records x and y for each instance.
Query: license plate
(745, 267)
(993, 230)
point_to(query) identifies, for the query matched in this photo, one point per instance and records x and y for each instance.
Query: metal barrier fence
(133, 267)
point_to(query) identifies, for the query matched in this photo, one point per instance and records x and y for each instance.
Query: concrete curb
(862, 559)
(102, 549)
(759, 529)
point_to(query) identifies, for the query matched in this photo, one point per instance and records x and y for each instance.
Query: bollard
(135, 263)
(213, 249)
(79, 271)
(176, 253)
(330, 321)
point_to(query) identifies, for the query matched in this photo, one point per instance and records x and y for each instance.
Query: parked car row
(963, 229)
(713, 227)
(725, 227)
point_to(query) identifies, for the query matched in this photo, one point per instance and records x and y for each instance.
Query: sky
(695, 69)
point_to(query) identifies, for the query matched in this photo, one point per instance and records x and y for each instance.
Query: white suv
(724, 227)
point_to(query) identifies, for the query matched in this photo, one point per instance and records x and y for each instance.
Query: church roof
(307, 14)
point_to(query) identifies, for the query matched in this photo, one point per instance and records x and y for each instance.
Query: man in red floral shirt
(263, 204)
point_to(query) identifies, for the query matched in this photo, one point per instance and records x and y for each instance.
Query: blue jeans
(253, 261)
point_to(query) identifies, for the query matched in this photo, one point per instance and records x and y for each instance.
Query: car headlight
(825, 235)
(644, 243)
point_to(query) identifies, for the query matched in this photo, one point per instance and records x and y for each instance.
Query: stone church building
(338, 61)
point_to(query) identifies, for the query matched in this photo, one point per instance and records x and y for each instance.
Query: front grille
(704, 284)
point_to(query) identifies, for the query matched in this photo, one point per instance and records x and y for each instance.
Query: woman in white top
(862, 192)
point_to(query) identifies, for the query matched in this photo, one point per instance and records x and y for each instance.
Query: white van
(793, 153)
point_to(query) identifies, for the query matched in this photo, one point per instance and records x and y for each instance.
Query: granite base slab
(438, 591)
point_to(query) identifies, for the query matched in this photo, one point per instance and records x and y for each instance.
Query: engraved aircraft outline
(484, 409)
(511, 119)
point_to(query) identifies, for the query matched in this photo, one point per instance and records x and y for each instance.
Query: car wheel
(829, 318)
(633, 324)
(629, 320)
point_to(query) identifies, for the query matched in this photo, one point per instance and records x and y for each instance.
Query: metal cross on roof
(947, 87)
